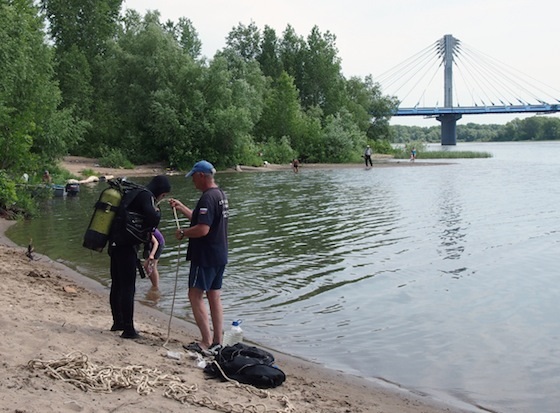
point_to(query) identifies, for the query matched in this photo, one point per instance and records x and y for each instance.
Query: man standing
(208, 254)
(367, 156)
(123, 251)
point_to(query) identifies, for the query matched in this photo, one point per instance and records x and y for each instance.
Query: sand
(78, 164)
(55, 324)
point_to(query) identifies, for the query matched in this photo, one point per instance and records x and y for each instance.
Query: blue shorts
(206, 278)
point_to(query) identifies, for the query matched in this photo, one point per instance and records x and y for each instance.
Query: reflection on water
(439, 278)
(451, 213)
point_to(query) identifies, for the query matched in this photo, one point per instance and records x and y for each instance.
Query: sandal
(215, 348)
(194, 346)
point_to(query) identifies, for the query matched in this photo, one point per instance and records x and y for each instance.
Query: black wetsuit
(123, 269)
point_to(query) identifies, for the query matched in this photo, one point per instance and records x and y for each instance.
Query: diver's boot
(130, 332)
(117, 327)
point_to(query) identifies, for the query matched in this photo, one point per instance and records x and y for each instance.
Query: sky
(374, 36)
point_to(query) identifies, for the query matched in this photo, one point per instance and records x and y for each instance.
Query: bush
(114, 158)
(278, 152)
(8, 194)
(382, 146)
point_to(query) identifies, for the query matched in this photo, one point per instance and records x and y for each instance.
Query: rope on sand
(76, 369)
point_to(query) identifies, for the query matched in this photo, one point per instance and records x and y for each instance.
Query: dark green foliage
(536, 128)
(129, 89)
(114, 158)
(8, 195)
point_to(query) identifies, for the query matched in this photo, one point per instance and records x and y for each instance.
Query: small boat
(72, 188)
(58, 190)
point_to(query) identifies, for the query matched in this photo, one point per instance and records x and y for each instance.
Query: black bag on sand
(247, 365)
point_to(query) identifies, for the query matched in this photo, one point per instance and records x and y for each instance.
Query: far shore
(77, 165)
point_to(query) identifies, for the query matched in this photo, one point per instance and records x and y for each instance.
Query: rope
(283, 400)
(176, 279)
(76, 369)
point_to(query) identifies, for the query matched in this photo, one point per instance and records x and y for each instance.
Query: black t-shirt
(212, 249)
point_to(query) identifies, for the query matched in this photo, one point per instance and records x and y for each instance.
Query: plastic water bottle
(234, 335)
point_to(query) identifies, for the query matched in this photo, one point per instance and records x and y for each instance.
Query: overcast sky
(374, 36)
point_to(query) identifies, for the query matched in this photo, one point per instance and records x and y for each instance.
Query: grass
(443, 155)
(88, 172)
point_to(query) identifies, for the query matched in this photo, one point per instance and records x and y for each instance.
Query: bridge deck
(477, 110)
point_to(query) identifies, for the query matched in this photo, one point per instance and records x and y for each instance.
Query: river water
(442, 279)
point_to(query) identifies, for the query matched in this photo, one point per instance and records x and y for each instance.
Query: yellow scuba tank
(106, 207)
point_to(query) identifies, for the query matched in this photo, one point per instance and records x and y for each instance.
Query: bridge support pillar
(449, 128)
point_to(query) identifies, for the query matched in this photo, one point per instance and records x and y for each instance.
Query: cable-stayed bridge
(490, 86)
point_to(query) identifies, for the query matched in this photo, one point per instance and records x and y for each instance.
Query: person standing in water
(152, 252)
(295, 165)
(367, 156)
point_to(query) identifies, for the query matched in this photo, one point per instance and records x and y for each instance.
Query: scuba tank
(105, 211)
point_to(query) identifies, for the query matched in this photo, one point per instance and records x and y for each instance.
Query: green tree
(32, 129)
(291, 52)
(81, 31)
(282, 113)
(245, 41)
(234, 93)
(269, 59)
(152, 86)
(186, 35)
(343, 141)
(322, 84)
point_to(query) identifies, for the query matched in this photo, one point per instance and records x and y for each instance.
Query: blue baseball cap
(202, 166)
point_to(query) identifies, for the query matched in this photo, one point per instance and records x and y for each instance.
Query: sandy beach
(56, 324)
(77, 164)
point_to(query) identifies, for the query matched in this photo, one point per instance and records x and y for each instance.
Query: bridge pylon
(447, 47)
(449, 128)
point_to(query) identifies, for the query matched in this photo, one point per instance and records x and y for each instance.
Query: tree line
(137, 89)
(88, 78)
(535, 128)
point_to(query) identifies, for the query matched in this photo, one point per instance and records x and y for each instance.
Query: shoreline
(51, 311)
(76, 164)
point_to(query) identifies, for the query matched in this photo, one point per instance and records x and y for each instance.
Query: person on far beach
(47, 177)
(367, 156)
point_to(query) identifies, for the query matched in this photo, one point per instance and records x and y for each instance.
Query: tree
(32, 129)
(244, 41)
(291, 51)
(322, 83)
(234, 93)
(186, 35)
(152, 87)
(282, 113)
(269, 60)
(343, 141)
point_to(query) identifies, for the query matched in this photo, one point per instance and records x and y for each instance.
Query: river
(440, 279)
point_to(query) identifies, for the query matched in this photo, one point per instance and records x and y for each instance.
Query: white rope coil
(76, 369)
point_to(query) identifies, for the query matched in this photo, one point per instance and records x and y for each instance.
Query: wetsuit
(124, 259)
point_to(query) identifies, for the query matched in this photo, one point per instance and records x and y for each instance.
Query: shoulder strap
(130, 195)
